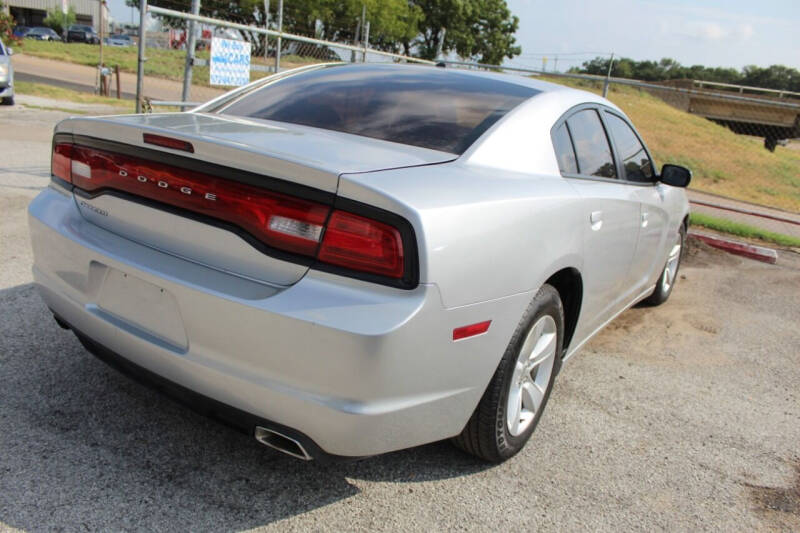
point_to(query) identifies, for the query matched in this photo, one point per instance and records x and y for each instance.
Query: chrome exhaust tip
(282, 443)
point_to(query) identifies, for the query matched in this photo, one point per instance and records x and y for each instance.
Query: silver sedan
(344, 260)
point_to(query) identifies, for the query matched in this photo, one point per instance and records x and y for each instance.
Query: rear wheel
(516, 397)
(670, 273)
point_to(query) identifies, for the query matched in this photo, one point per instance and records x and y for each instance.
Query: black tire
(486, 434)
(8, 101)
(663, 289)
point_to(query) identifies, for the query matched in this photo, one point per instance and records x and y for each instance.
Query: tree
(481, 30)
(6, 25)
(391, 21)
(58, 21)
(773, 77)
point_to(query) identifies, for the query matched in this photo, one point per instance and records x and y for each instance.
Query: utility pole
(608, 75)
(191, 42)
(141, 60)
(366, 41)
(555, 66)
(280, 30)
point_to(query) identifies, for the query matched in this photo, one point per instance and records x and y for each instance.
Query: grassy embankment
(723, 162)
(161, 62)
(68, 97)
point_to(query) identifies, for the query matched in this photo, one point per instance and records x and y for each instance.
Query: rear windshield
(421, 106)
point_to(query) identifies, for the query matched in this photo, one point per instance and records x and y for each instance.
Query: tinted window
(638, 166)
(564, 152)
(591, 144)
(430, 107)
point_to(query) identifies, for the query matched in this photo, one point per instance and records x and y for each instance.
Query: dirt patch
(699, 254)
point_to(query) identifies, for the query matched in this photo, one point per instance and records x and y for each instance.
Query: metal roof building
(33, 12)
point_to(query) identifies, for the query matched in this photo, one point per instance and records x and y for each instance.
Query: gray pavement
(683, 417)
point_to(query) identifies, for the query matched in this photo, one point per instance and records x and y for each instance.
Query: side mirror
(675, 175)
(10, 51)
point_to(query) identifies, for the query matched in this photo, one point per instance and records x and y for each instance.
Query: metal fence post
(191, 42)
(141, 60)
(366, 41)
(266, 27)
(608, 75)
(280, 31)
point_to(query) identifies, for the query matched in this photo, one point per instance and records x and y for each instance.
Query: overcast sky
(729, 33)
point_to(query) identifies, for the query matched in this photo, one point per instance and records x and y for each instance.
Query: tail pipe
(282, 443)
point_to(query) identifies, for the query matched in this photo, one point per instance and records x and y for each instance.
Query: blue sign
(230, 62)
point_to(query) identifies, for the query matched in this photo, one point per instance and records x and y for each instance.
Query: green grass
(161, 62)
(736, 166)
(742, 230)
(68, 95)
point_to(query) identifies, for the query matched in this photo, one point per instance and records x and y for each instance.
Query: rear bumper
(351, 368)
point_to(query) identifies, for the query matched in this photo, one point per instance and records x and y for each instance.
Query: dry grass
(723, 162)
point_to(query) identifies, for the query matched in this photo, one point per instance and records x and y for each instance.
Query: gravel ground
(682, 417)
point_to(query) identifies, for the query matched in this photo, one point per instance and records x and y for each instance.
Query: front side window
(591, 144)
(434, 108)
(638, 166)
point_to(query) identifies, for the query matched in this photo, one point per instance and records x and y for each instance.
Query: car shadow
(85, 447)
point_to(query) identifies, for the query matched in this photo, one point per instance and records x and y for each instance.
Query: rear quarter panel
(482, 234)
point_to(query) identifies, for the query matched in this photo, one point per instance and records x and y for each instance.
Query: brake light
(61, 162)
(363, 244)
(287, 223)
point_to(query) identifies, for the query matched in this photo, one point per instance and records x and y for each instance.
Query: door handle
(596, 220)
(644, 219)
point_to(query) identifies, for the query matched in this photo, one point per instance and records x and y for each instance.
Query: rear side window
(564, 152)
(638, 166)
(429, 107)
(591, 144)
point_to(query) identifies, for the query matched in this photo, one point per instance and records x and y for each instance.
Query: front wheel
(516, 397)
(8, 101)
(670, 273)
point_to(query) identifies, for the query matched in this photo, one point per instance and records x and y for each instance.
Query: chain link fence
(166, 87)
(720, 131)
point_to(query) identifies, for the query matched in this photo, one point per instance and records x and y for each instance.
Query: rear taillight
(363, 244)
(61, 162)
(340, 239)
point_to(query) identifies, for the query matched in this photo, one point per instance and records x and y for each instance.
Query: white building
(33, 12)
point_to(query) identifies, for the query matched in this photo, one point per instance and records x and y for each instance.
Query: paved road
(684, 417)
(789, 225)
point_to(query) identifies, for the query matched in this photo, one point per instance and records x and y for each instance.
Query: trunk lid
(268, 154)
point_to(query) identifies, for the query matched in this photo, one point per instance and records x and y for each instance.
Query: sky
(728, 33)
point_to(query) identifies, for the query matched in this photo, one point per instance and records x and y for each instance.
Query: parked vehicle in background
(81, 33)
(120, 39)
(6, 75)
(41, 33)
(20, 31)
(353, 259)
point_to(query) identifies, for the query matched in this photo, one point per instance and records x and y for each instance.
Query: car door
(611, 214)
(636, 168)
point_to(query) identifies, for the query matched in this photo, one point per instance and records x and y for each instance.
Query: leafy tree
(772, 77)
(481, 30)
(476, 29)
(56, 19)
(6, 25)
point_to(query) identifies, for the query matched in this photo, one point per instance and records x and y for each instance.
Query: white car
(345, 260)
(6, 75)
